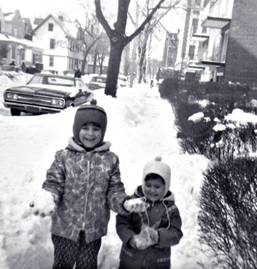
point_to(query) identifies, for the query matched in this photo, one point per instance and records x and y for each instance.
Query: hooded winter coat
(165, 217)
(88, 185)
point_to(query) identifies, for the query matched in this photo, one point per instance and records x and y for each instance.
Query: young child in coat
(147, 237)
(84, 180)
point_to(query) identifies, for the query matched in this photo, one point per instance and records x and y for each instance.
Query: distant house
(27, 28)
(227, 42)
(14, 24)
(170, 50)
(15, 40)
(61, 47)
(2, 22)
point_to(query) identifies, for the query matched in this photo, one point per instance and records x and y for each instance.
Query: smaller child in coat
(85, 182)
(148, 236)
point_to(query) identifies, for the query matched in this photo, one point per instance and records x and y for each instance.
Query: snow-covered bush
(197, 134)
(194, 135)
(228, 212)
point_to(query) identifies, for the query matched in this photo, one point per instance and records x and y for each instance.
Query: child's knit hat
(89, 113)
(160, 168)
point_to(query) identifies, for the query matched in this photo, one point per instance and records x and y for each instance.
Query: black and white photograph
(128, 134)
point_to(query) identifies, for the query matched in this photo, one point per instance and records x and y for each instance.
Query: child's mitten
(136, 205)
(44, 203)
(140, 242)
(151, 234)
(146, 238)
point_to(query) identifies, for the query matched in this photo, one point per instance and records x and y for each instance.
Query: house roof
(37, 21)
(68, 28)
(23, 42)
(9, 16)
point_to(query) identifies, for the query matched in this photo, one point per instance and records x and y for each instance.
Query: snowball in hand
(135, 205)
(43, 203)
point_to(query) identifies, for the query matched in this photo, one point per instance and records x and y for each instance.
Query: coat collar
(72, 145)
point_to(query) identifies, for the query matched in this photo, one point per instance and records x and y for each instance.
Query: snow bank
(140, 127)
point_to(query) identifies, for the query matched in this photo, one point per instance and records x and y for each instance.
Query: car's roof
(53, 75)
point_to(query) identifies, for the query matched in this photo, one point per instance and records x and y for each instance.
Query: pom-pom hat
(159, 168)
(89, 113)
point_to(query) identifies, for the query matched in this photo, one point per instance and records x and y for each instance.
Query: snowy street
(140, 127)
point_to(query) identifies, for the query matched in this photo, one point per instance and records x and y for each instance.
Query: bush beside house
(228, 197)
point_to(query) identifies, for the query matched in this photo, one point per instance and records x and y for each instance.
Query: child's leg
(87, 254)
(65, 252)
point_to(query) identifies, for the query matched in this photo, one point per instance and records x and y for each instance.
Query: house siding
(62, 50)
(241, 60)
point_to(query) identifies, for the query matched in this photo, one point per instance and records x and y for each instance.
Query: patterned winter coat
(165, 217)
(88, 185)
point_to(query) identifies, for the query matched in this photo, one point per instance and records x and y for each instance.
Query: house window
(194, 25)
(191, 52)
(198, 2)
(52, 43)
(50, 26)
(51, 60)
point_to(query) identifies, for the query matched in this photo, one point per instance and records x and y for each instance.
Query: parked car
(99, 81)
(123, 81)
(96, 82)
(46, 93)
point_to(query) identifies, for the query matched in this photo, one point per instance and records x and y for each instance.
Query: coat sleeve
(55, 176)
(116, 194)
(123, 228)
(171, 235)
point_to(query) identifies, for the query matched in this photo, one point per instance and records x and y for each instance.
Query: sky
(33, 8)
(28, 144)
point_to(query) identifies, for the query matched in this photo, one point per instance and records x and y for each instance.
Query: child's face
(90, 135)
(154, 188)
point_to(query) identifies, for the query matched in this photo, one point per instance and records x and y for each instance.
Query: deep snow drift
(140, 127)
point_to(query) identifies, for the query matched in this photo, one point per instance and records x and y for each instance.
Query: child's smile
(90, 135)
(154, 189)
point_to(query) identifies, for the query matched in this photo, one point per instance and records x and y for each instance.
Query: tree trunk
(101, 65)
(83, 65)
(141, 74)
(113, 68)
(95, 60)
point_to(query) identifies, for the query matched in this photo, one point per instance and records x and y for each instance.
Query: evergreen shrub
(228, 212)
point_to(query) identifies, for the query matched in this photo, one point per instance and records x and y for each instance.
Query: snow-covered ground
(140, 127)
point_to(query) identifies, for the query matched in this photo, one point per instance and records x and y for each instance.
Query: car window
(99, 79)
(60, 81)
(36, 80)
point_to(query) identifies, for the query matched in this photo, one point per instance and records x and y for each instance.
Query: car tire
(15, 112)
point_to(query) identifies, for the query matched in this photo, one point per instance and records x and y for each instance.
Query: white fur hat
(160, 168)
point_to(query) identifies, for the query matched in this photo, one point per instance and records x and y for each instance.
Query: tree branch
(141, 27)
(101, 18)
(132, 20)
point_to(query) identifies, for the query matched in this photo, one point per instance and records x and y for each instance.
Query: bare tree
(89, 34)
(118, 39)
(146, 34)
(101, 51)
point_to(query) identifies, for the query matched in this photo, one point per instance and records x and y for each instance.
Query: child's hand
(140, 242)
(44, 204)
(151, 234)
(146, 238)
(136, 205)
